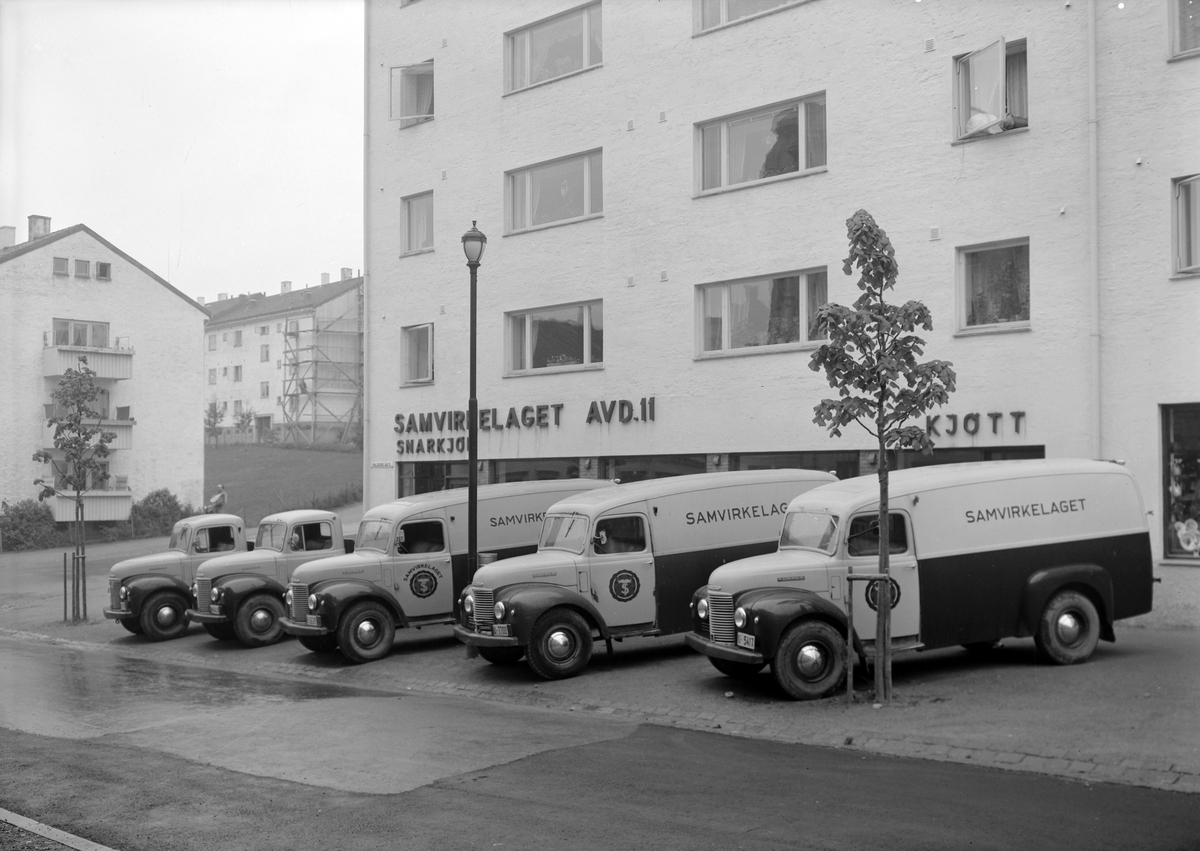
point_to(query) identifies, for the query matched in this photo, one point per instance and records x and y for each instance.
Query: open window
(991, 90)
(619, 535)
(412, 93)
(863, 536)
(425, 536)
(1187, 225)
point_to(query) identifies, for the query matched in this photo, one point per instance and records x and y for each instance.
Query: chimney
(324, 278)
(39, 226)
(8, 237)
(222, 296)
(346, 270)
(200, 300)
(285, 287)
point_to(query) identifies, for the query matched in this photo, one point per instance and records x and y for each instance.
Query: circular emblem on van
(422, 584)
(873, 594)
(624, 585)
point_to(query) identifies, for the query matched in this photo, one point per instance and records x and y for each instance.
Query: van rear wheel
(561, 644)
(1069, 629)
(502, 655)
(366, 632)
(810, 662)
(737, 670)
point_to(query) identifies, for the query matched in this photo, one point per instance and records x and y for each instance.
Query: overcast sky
(217, 142)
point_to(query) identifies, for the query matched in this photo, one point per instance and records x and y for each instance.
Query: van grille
(485, 607)
(114, 593)
(720, 617)
(203, 586)
(299, 602)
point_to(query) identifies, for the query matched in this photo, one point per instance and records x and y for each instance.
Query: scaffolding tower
(323, 373)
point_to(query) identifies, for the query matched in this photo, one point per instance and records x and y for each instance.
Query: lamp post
(473, 244)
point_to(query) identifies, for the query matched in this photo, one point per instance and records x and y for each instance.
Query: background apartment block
(69, 293)
(665, 188)
(288, 365)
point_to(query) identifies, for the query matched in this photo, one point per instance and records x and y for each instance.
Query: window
(995, 281)
(991, 90)
(212, 376)
(237, 408)
(709, 14)
(264, 352)
(418, 222)
(278, 327)
(412, 93)
(418, 354)
(761, 312)
(237, 373)
(1187, 224)
(863, 537)
(264, 330)
(83, 269)
(212, 342)
(237, 338)
(103, 271)
(224, 371)
(619, 535)
(558, 191)
(1181, 480)
(61, 265)
(424, 537)
(264, 389)
(72, 332)
(566, 336)
(785, 139)
(554, 48)
(224, 407)
(1185, 28)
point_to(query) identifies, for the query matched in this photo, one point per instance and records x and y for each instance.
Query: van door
(622, 570)
(307, 542)
(421, 573)
(862, 554)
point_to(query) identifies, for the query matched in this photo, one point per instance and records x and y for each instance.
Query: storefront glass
(1181, 477)
(844, 465)
(534, 469)
(962, 456)
(635, 468)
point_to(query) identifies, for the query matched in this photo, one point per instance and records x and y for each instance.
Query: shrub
(27, 525)
(157, 512)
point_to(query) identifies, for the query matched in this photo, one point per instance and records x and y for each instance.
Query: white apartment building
(287, 366)
(665, 185)
(71, 293)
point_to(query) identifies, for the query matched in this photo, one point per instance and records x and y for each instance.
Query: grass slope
(263, 479)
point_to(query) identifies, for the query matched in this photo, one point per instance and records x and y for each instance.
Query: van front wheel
(810, 662)
(737, 670)
(366, 632)
(561, 645)
(256, 623)
(1069, 629)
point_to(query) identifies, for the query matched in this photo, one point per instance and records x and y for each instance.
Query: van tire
(1069, 629)
(560, 645)
(163, 616)
(319, 643)
(737, 670)
(220, 631)
(502, 655)
(256, 623)
(133, 625)
(366, 632)
(810, 661)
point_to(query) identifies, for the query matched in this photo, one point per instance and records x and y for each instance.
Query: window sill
(1186, 275)
(556, 370)
(416, 251)
(1016, 131)
(765, 181)
(750, 351)
(749, 18)
(420, 382)
(983, 330)
(1180, 57)
(557, 224)
(417, 123)
(541, 83)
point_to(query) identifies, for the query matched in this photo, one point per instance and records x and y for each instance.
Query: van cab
(1053, 549)
(410, 563)
(622, 562)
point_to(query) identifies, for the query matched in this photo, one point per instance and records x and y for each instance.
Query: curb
(52, 833)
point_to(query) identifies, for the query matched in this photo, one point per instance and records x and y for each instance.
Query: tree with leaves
(80, 447)
(213, 415)
(245, 420)
(871, 360)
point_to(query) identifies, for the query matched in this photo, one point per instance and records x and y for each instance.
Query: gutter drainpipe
(368, 497)
(1094, 232)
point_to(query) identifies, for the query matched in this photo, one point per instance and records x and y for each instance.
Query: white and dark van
(622, 562)
(1053, 549)
(410, 562)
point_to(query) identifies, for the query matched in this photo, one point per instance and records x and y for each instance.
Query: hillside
(263, 479)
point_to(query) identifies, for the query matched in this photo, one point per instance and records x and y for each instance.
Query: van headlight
(469, 604)
(702, 608)
(739, 617)
(215, 595)
(314, 603)
(123, 593)
(499, 611)
(289, 597)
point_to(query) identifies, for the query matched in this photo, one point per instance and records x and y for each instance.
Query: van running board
(897, 647)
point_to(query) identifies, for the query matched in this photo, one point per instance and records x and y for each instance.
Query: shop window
(554, 48)
(1181, 446)
(991, 90)
(418, 354)
(1185, 27)
(560, 191)
(61, 266)
(74, 332)
(103, 271)
(418, 223)
(761, 312)
(994, 281)
(412, 93)
(1187, 224)
(638, 468)
(710, 14)
(787, 138)
(844, 465)
(570, 336)
(429, 476)
(533, 469)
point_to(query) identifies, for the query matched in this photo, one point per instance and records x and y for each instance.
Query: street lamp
(473, 244)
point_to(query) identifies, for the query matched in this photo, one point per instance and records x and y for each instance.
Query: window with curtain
(762, 312)
(418, 222)
(785, 139)
(74, 332)
(418, 354)
(412, 93)
(554, 48)
(995, 281)
(714, 13)
(1187, 225)
(1185, 28)
(991, 90)
(567, 336)
(558, 191)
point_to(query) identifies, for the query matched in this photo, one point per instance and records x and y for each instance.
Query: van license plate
(500, 629)
(312, 620)
(744, 640)
(214, 609)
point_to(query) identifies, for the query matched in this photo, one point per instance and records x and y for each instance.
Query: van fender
(528, 602)
(1091, 579)
(237, 587)
(776, 609)
(141, 587)
(338, 595)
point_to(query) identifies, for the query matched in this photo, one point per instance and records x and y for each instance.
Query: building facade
(665, 188)
(71, 293)
(287, 367)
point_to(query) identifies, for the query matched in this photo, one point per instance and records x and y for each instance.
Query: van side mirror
(601, 539)
(400, 537)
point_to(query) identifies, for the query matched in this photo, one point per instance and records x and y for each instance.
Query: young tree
(82, 446)
(213, 415)
(871, 360)
(245, 421)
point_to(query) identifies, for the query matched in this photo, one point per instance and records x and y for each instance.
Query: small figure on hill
(217, 503)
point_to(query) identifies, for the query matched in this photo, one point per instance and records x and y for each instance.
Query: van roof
(456, 496)
(604, 500)
(299, 515)
(861, 490)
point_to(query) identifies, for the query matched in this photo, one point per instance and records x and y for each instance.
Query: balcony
(122, 428)
(114, 363)
(97, 505)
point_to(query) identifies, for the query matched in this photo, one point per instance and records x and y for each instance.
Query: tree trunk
(883, 612)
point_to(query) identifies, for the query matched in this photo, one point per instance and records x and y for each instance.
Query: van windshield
(271, 536)
(179, 539)
(373, 535)
(810, 530)
(564, 532)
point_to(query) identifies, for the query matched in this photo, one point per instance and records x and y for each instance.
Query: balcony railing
(122, 428)
(97, 505)
(107, 363)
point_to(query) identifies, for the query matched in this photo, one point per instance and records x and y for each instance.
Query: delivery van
(410, 563)
(1053, 549)
(622, 562)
